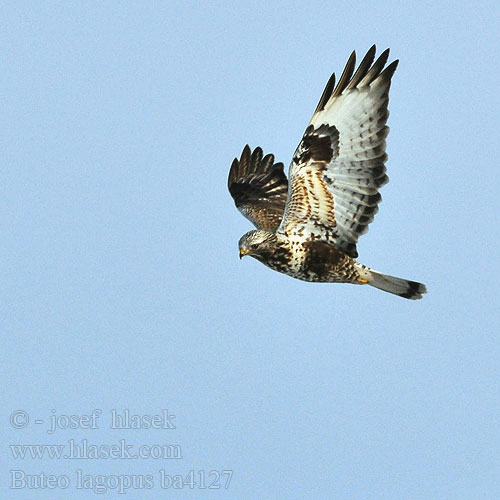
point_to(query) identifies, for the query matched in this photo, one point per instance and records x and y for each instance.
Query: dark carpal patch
(317, 145)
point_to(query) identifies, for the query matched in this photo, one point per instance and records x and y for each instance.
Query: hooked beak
(243, 252)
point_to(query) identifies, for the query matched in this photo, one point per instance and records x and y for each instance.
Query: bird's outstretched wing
(338, 167)
(259, 188)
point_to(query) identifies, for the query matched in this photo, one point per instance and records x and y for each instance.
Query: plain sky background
(121, 285)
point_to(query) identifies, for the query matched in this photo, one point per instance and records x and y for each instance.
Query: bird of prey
(308, 226)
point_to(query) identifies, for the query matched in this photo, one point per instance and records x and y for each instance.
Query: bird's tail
(398, 286)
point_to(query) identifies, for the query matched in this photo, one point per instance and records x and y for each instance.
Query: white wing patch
(338, 167)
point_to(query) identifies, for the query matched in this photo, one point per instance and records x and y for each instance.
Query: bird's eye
(254, 246)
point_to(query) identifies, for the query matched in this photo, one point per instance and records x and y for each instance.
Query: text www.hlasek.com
(83, 449)
(74, 450)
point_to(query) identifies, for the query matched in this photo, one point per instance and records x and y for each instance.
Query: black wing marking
(259, 188)
(339, 166)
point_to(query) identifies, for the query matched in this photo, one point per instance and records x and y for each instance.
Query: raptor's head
(257, 243)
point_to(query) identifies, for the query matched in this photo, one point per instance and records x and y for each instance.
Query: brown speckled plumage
(308, 227)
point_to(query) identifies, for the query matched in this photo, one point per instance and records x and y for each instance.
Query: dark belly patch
(323, 262)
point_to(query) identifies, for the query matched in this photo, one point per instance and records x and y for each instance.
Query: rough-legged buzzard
(308, 227)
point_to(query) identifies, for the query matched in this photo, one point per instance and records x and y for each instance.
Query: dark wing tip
(366, 72)
(241, 168)
(238, 166)
(279, 166)
(254, 168)
(346, 75)
(389, 71)
(245, 154)
(363, 67)
(378, 65)
(327, 93)
(258, 187)
(233, 173)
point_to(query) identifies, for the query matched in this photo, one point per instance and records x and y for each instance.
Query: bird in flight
(308, 226)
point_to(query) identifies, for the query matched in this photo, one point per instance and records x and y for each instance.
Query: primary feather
(259, 188)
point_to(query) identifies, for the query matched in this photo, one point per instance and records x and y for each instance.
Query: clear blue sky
(121, 283)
